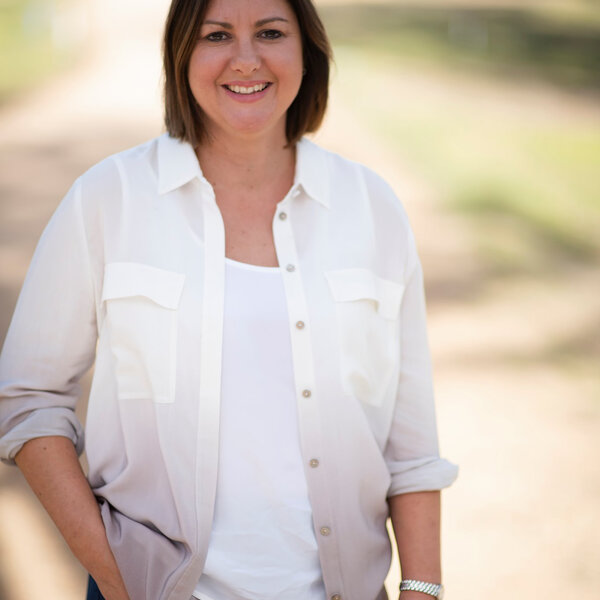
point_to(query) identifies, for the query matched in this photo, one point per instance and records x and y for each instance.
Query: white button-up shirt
(130, 272)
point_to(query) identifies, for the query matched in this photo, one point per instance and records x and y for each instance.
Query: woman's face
(246, 68)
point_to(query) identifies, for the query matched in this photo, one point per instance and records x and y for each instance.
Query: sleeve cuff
(421, 475)
(42, 423)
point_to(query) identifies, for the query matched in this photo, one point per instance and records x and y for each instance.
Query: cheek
(202, 68)
(291, 65)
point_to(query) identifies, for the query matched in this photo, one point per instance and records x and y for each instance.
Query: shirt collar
(178, 165)
(312, 171)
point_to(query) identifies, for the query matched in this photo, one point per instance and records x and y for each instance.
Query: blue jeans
(93, 593)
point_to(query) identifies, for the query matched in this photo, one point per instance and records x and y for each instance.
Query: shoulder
(353, 184)
(363, 207)
(102, 194)
(107, 176)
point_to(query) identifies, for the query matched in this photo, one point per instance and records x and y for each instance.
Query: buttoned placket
(210, 363)
(307, 396)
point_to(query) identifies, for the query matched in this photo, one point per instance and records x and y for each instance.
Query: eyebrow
(260, 23)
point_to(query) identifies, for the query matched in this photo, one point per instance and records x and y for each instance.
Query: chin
(257, 128)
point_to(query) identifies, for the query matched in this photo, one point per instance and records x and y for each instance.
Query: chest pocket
(141, 313)
(368, 319)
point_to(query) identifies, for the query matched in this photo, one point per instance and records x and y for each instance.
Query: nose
(245, 59)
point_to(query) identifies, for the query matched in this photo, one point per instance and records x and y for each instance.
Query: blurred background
(485, 117)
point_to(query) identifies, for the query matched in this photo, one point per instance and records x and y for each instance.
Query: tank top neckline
(250, 266)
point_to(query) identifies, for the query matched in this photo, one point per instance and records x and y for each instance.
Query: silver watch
(433, 589)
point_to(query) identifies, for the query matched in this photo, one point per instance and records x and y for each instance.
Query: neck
(245, 163)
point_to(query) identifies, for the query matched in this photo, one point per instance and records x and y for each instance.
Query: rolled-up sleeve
(51, 341)
(412, 452)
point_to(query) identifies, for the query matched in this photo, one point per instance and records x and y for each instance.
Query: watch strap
(433, 589)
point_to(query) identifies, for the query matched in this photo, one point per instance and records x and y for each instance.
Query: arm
(49, 346)
(416, 522)
(412, 453)
(52, 469)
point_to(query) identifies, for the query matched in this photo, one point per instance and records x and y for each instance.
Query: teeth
(247, 90)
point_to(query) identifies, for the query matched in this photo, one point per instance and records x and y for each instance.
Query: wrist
(113, 589)
(108, 578)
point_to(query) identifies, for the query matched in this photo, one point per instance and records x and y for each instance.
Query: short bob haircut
(184, 119)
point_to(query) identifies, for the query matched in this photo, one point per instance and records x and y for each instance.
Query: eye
(217, 36)
(270, 34)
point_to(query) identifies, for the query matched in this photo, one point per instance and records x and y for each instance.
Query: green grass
(530, 183)
(548, 180)
(28, 52)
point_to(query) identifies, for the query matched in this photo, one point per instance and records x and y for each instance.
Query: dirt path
(522, 520)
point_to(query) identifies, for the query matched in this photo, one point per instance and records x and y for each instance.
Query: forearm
(52, 469)
(416, 523)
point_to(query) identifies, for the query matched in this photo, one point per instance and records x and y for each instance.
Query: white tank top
(263, 543)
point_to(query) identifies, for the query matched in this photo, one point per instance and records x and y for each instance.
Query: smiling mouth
(239, 89)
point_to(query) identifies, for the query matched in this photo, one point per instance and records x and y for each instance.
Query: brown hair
(184, 119)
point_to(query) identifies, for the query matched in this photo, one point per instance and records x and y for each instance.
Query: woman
(262, 395)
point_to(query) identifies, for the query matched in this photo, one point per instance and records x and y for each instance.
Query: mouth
(249, 90)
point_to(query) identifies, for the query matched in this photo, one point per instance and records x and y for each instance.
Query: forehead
(250, 10)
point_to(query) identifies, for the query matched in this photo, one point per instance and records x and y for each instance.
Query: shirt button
(283, 216)
(314, 463)
(306, 393)
(300, 325)
(290, 268)
(325, 531)
(336, 597)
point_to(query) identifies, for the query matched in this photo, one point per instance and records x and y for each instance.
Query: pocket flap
(362, 284)
(126, 280)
